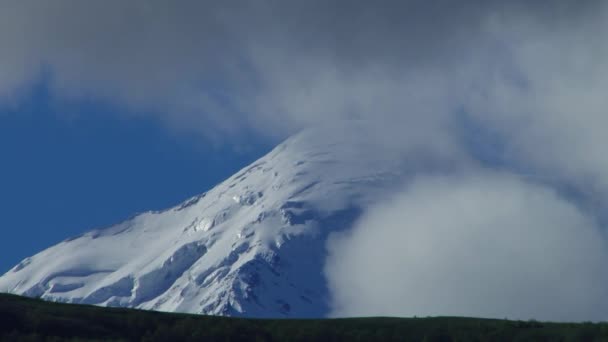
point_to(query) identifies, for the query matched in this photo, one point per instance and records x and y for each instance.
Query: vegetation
(25, 319)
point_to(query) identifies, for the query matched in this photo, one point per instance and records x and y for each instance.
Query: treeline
(24, 319)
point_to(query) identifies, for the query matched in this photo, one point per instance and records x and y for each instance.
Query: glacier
(253, 246)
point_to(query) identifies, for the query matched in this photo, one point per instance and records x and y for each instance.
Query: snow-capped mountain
(252, 246)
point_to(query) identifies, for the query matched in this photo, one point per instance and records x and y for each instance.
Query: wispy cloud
(273, 67)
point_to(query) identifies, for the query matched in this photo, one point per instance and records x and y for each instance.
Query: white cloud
(554, 114)
(489, 245)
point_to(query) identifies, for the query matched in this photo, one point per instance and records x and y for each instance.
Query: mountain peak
(254, 245)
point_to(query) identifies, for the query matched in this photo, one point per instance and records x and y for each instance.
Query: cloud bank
(533, 75)
(489, 245)
(517, 85)
(273, 67)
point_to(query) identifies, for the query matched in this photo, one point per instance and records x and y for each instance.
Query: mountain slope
(252, 246)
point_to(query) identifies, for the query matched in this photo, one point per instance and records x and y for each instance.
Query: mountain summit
(252, 246)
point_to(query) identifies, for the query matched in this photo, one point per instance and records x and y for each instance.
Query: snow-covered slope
(252, 246)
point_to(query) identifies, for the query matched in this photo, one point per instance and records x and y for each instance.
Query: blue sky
(71, 168)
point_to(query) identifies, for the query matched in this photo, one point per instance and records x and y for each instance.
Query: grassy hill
(24, 319)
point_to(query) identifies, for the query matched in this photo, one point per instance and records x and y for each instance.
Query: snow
(252, 246)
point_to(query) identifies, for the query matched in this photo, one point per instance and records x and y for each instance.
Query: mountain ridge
(253, 246)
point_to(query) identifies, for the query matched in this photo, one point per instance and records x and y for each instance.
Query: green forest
(26, 319)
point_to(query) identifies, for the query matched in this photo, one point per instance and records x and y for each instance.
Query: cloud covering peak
(272, 67)
(517, 86)
(532, 74)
